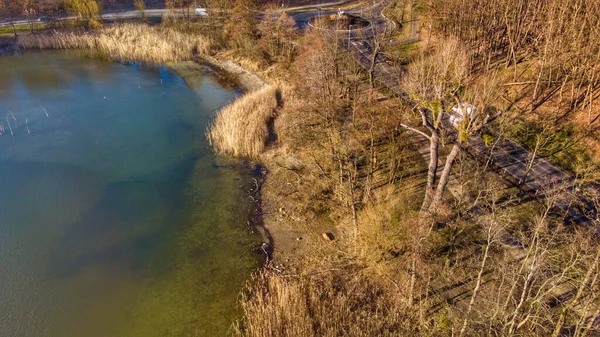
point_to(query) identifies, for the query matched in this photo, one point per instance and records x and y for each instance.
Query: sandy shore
(229, 72)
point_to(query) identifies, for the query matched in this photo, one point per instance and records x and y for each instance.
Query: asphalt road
(109, 16)
(302, 14)
(303, 19)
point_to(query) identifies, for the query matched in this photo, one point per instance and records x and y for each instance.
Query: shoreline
(8, 46)
(254, 172)
(225, 70)
(229, 73)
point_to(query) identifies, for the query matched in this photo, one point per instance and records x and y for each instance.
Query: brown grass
(240, 129)
(332, 304)
(129, 42)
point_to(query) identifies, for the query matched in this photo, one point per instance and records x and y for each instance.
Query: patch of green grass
(523, 213)
(394, 14)
(405, 53)
(22, 28)
(345, 6)
(559, 144)
(421, 9)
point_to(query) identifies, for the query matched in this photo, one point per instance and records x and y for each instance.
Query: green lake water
(115, 219)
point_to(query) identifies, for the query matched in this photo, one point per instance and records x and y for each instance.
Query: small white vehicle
(201, 12)
(457, 115)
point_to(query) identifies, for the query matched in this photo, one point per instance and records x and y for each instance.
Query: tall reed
(126, 42)
(241, 128)
(338, 303)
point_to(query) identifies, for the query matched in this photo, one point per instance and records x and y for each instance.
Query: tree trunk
(354, 219)
(531, 160)
(524, 294)
(444, 178)
(373, 60)
(590, 324)
(477, 286)
(575, 301)
(431, 170)
(372, 70)
(30, 22)
(413, 280)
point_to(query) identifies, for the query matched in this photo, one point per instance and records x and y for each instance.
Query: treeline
(551, 45)
(20, 8)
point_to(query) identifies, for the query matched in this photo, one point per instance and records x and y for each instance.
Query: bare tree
(51, 8)
(179, 8)
(448, 102)
(379, 40)
(551, 46)
(431, 82)
(241, 27)
(490, 239)
(474, 118)
(277, 33)
(140, 6)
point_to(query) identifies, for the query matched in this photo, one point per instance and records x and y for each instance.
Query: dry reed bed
(327, 305)
(126, 42)
(241, 128)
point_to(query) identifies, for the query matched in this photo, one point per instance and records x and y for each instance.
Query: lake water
(115, 219)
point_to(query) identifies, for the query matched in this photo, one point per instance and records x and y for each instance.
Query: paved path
(539, 177)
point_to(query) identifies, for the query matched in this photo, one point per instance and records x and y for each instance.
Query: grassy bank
(23, 28)
(322, 305)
